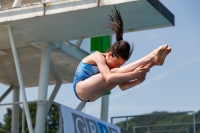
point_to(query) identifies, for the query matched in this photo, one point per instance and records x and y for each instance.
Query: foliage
(52, 122)
(161, 119)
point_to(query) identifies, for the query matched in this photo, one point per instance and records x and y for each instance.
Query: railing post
(23, 120)
(194, 122)
(17, 3)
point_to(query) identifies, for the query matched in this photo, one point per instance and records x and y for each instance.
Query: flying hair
(120, 48)
(116, 23)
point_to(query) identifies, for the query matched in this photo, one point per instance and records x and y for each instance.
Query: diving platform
(57, 22)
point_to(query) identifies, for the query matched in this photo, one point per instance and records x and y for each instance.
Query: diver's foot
(155, 56)
(164, 55)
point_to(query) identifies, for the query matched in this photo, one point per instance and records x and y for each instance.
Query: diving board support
(6, 93)
(52, 97)
(104, 107)
(43, 86)
(79, 42)
(60, 128)
(15, 111)
(74, 51)
(55, 91)
(80, 106)
(53, 94)
(23, 120)
(20, 78)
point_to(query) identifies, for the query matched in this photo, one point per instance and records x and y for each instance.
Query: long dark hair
(120, 48)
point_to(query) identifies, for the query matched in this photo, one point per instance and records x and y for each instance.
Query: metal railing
(7, 4)
(149, 120)
(26, 2)
(177, 125)
(169, 131)
(4, 131)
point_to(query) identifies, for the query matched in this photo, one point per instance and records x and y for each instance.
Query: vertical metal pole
(20, 78)
(99, 1)
(104, 107)
(127, 123)
(23, 120)
(47, 115)
(105, 101)
(60, 121)
(194, 122)
(134, 130)
(148, 129)
(15, 111)
(17, 3)
(43, 86)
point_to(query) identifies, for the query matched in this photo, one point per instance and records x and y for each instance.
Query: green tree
(52, 121)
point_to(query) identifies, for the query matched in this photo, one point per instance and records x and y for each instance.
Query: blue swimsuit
(83, 72)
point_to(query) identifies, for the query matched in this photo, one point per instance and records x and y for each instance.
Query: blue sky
(173, 87)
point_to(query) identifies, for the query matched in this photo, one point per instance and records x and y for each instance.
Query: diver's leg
(104, 91)
(111, 86)
(154, 58)
(92, 87)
